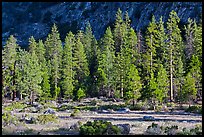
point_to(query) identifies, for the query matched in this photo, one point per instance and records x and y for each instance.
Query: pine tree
(87, 42)
(189, 38)
(131, 43)
(189, 90)
(33, 71)
(178, 81)
(175, 47)
(21, 87)
(122, 45)
(197, 42)
(29, 75)
(152, 89)
(80, 64)
(151, 44)
(149, 57)
(162, 84)
(194, 69)
(93, 88)
(45, 84)
(117, 34)
(106, 60)
(91, 49)
(162, 50)
(134, 84)
(67, 66)
(9, 57)
(54, 55)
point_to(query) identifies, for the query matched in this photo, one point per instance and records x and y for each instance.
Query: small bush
(93, 102)
(171, 130)
(170, 104)
(15, 105)
(194, 109)
(154, 129)
(64, 107)
(8, 119)
(194, 131)
(99, 127)
(80, 94)
(75, 113)
(158, 108)
(43, 119)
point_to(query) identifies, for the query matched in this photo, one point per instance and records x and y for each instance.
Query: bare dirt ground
(134, 118)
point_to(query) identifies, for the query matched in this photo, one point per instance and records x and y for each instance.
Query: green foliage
(46, 118)
(53, 54)
(8, 119)
(15, 105)
(80, 63)
(134, 84)
(75, 113)
(194, 109)
(106, 61)
(64, 107)
(122, 64)
(67, 67)
(193, 131)
(189, 90)
(162, 84)
(9, 57)
(99, 127)
(80, 94)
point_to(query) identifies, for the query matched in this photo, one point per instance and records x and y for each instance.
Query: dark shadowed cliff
(23, 19)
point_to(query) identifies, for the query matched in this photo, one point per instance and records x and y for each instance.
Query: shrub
(154, 129)
(194, 109)
(170, 104)
(75, 113)
(93, 102)
(194, 131)
(43, 119)
(137, 106)
(80, 94)
(171, 130)
(158, 108)
(99, 127)
(64, 107)
(8, 119)
(15, 105)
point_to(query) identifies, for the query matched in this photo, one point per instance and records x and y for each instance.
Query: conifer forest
(160, 65)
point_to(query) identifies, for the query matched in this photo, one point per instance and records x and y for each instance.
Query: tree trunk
(121, 88)
(171, 77)
(14, 95)
(21, 96)
(31, 98)
(151, 55)
(133, 103)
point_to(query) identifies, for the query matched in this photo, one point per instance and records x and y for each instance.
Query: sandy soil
(134, 118)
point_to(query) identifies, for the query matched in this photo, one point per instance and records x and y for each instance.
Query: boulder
(123, 110)
(39, 107)
(49, 111)
(75, 127)
(148, 118)
(27, 119)
(33, 110)
(125, 128)
(30, 120)
(54, 103)
(35, 104)
(61, 105)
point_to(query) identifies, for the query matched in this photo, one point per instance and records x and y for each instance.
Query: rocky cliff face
(23, 19)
